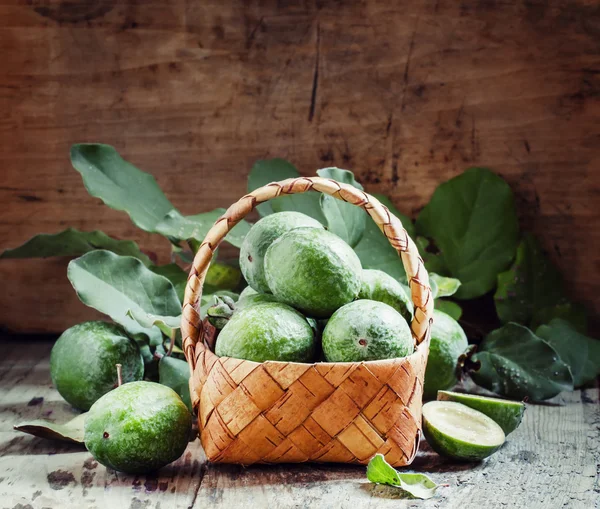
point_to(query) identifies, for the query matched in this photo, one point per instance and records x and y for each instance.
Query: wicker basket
(276, 412)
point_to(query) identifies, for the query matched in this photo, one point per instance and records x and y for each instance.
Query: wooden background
(404, 93)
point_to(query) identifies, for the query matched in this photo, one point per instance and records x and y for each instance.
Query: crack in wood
(313, 96)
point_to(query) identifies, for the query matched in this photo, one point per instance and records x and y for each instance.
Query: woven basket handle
(390, 225)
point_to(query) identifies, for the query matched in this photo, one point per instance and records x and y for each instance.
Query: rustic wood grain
(549, 461)
(406, 94)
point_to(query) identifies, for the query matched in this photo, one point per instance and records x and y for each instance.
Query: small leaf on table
(516, 363)
(120, 185)
(580, 353)
(175, 373)
(473, 222)
(418, 485)
(374, 249)
(114, 284)
(71, 431)
(72, 242)
(347, 221)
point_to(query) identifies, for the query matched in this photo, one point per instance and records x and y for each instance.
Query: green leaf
(374, 249)
(178, 227)
(418, 485)
(114, 284)
(531, 284)
(434, 262)
(266, 171)
(71, 431)
(573, 313)
(450, 308)
(72, 242)
(175, 373)
(120, 185)
(175, 274)
(517, 364)
(274, 170)
(444, 286)
(473, 222)
(347, 221)
(167, 324)
(580, 353)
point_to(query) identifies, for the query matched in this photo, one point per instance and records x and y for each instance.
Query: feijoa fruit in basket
(267, 331)
(379, 286)
(459, 432)
(260, 237)
(313, 270)
(249, 297)
(366, 330)
(448, 343)
(83, 359)
(139, 427)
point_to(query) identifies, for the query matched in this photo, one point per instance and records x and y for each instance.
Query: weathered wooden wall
(404, 93)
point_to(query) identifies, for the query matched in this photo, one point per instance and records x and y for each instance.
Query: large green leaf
(375, 250)
(473, 222)
(417, 485)
(531, 284)
(72, 242)
(273, 170)
(178, 227)
(347, 221)
(573, 313)
(115, 284)
(175, 373)
(580, 353)
(516, 363)
(175, 274)
(266, 171)
(120, 185)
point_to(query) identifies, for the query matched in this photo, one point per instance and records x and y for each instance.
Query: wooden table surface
(551, 461)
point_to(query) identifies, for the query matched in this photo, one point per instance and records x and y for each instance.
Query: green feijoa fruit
(379, 286)
(459, 432)
(313, 270)
(366, 330)
(250, 297)
(139, 427)
(268, 331)
(83, 359)
(260, 237)
(507, 414)
(448, 343)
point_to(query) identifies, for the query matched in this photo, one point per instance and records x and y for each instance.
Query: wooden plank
(405, 94)
(550, 461)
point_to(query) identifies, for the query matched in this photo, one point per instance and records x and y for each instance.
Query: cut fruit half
(459, 432)
(507, 414)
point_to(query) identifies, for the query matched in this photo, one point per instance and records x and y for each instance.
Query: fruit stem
(119, 375)
(171, 342)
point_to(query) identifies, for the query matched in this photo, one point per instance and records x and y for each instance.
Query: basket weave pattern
(275, 412)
